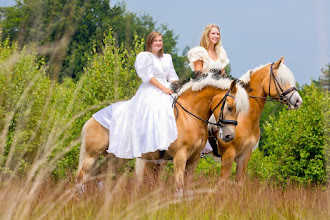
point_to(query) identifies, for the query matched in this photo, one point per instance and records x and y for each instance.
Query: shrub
(41, 120)
(296, 142)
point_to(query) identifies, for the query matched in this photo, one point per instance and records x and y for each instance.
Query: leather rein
(221, 120)
(281, 96)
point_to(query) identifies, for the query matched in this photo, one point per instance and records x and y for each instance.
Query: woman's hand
(223, 72)
(168, 91)
(160, 86)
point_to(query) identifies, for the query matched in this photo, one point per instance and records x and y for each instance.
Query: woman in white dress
(146, 123)
(209, 56)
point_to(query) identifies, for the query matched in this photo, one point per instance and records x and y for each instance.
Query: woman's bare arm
(160, 86)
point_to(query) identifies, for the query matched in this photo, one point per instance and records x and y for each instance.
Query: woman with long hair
(146, 123)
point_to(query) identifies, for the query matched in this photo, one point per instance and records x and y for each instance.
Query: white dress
(146, 123)
(200, 53)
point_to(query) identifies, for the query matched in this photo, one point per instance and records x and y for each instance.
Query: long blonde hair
(150, 39)
(205, 41)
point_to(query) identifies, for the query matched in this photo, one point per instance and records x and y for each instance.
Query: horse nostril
(228, 137)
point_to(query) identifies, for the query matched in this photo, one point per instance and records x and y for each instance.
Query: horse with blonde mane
(199, 100)
(274, 80)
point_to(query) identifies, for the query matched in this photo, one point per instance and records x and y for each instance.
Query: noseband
(282, 99)
(221, 121)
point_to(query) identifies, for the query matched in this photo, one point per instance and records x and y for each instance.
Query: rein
(282, 99)
(221, 120)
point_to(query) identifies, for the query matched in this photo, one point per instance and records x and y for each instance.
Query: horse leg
(95, 140)
(140, 166)
(179, 162)
(110, 165)
(241, 164)
(227, 160)
(190, 172)
(191, 168)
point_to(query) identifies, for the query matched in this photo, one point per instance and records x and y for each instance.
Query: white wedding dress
(146, 123)
(200, 53)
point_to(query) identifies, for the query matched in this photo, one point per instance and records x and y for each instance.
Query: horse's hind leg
(111, 165)
(179, 162)
(145, 168)
(86, 164)
(95, 140)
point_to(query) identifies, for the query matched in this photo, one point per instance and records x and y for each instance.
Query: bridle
(281, 94)
(221, 121)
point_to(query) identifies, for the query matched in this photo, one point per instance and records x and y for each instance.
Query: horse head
(281, 85)
(226, 108)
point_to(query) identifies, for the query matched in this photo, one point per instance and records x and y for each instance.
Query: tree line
(65, 31)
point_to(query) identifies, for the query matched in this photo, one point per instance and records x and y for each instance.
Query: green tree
(324, 78)
(66, 31)
(41, 120)
(296, 141)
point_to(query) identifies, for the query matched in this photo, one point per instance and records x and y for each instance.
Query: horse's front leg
(191, 168)
(179, 162)
(241, 164)
(227, 159)
(190, 173)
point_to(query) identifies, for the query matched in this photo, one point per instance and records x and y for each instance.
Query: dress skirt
(146, 123)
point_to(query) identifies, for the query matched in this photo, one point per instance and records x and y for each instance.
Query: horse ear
(277, 63)
(233, 88)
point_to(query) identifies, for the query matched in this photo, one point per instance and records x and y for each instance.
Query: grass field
(123, 198)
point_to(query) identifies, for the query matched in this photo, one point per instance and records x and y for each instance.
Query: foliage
(271, 109)
(208, 167)
(296, 142)
(324, 79)
(66, 31)
(41, 120)
(109, 77)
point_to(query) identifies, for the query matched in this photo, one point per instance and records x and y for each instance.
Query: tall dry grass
(122, 197)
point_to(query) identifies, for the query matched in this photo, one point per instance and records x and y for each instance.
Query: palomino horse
(201, 98)
(274, 80)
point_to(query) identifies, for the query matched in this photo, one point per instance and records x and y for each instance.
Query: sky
(254, 32)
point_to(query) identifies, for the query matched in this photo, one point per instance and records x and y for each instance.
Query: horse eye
(229, 108)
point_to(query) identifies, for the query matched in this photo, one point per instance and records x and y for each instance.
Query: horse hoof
(100, 185)
(189, 193)
(81, 189)
(178, 194)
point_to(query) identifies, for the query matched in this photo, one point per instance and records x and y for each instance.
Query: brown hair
(205, 41)
(150, 39)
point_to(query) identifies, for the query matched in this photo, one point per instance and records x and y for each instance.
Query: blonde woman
(146, 123)
(210, 55)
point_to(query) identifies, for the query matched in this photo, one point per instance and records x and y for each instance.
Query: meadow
(121, 197)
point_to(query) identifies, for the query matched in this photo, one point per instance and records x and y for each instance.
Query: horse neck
(199, 102)
(258, 80)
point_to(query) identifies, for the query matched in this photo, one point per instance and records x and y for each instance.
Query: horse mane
(213, 79)
(284, 74)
